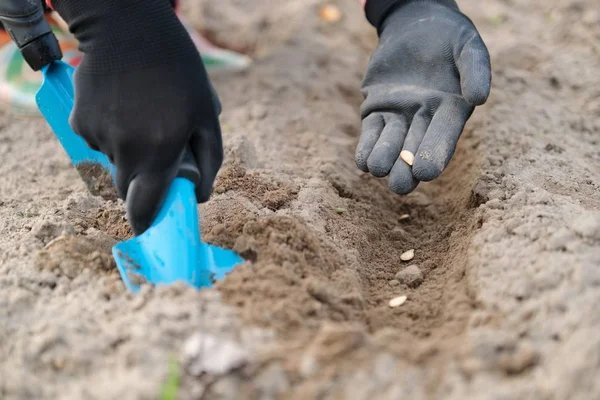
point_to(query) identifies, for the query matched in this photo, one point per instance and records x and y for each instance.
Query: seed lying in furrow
(398, 301)
(408, 255)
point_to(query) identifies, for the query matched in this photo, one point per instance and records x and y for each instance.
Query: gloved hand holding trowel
(142, 94)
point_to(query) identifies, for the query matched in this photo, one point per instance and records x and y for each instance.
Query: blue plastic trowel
(170, 250)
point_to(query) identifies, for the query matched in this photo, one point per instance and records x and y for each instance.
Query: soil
(98, 180)
(502, 292)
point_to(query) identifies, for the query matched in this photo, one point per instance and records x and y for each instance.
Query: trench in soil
(343, 270)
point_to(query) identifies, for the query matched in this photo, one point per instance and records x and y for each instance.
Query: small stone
(308, 365)
(59, 363)
(243, 151)
(398, 301)
(384, 369)
(588, 225)
(418, 199)
(273, 381)
(205, 353)
(411, 276)
(561, 239)
(138, 302)
(394, 282)
(46, 231)
(398, 234)
(519, 360)
(334, 342)
(340, 210)
(408, 157)
(258, 112)
(408, 255)
(227, 387)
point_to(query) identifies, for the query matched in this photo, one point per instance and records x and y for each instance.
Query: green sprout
(171, 386)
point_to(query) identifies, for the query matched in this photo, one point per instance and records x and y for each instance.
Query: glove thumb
(475, 71)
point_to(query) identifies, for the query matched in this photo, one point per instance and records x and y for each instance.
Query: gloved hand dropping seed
(429, 71)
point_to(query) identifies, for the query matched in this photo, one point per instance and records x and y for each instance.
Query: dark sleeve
(377, 10)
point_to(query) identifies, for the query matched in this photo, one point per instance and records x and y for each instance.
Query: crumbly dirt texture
(503, 291)
(98, 180)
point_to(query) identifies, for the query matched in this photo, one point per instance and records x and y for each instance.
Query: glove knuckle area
(90, 132)
(399, 98)
(81, 126)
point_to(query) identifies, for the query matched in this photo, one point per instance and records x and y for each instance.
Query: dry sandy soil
(504, 290)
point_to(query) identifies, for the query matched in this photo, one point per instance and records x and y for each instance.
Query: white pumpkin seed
(398, 301)
(408, 157)
(408, 255)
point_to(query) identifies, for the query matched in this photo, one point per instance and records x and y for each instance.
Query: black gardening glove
(141, 95)
(425, 78)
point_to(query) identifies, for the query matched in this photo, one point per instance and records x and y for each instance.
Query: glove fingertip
(203, 195)
(476, 94)
(475, 72)
(427, 170)
(145, 195)
(361, 161)
(372, 125)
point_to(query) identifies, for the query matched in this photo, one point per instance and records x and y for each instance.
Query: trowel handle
(188, 168)
(26, 24)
